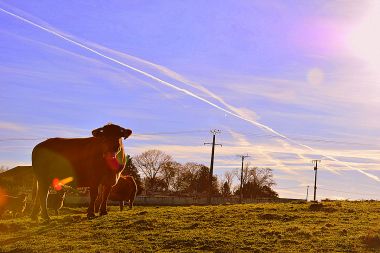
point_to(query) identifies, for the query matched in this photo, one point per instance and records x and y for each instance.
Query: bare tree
(226, 183)
(150, 163)
(228, 177)
(247, 174)
(256, 181)
(187, 178)
(261, 176)
(169, 175)
(194, 180)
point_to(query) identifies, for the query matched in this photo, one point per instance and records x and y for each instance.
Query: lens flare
(315, 76)
(112, 162)
(57, 184)
(67, 180)
(115, 161)
(3, 197)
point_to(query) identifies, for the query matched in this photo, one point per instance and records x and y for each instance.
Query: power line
(136, 134)
(172, 133)
(355, 193)
(295, 187)
(204, 131)
(322, 188)
(312, 139)
(22, 139)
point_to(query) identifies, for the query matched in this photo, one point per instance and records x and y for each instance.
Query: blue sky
(257, 70)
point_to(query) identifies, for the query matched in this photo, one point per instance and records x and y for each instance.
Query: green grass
(336, 227)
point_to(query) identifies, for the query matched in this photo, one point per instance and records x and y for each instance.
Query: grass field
(333, 227)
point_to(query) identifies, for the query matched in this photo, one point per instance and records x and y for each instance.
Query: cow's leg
(98, 200)
(105, 193)
(130, 203)
(36, 205)
(42, 194)
(121, 204)
(36, 209)
(91, 207)
(56, 212)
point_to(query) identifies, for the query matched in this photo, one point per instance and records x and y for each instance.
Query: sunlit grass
(337, 226)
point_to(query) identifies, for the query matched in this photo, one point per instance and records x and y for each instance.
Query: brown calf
(124, 190)
(55, 200)
(16, 205)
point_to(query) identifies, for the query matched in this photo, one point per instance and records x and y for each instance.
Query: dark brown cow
(88, 162)
(124, 190)
(14, 204)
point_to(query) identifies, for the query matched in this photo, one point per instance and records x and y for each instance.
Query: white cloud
(10, 126)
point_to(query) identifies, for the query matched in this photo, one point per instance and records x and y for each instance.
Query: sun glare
(57, 184)
(364, 38)
(3, 197)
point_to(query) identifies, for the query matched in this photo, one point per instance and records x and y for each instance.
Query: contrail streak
(255, 123)
(146, 74)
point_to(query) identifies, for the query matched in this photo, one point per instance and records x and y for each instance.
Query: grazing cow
(14, 204)
(124, 190)
(79, 162)
(55, 200)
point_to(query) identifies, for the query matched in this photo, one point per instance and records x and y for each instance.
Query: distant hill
(17, 180)
(17, 172)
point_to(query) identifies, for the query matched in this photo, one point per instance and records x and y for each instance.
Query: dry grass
(334, 227)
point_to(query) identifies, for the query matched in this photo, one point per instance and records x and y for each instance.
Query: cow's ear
(126, 133)
(97, 132)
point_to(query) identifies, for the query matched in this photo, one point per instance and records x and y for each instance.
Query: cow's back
(62, 158)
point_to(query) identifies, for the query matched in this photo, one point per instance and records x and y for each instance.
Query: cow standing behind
(55, 200)
(86, 162)
(14, 204)
(124, 190)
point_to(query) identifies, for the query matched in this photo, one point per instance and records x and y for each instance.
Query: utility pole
(315, 177)
(241, 176)
(307, 193)
(213, 132)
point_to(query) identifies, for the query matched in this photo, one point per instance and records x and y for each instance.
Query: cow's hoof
(91, 216)
(34, 218)
(103, 212)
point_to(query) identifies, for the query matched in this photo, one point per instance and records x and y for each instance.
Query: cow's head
(112, 143)
(112, 131)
